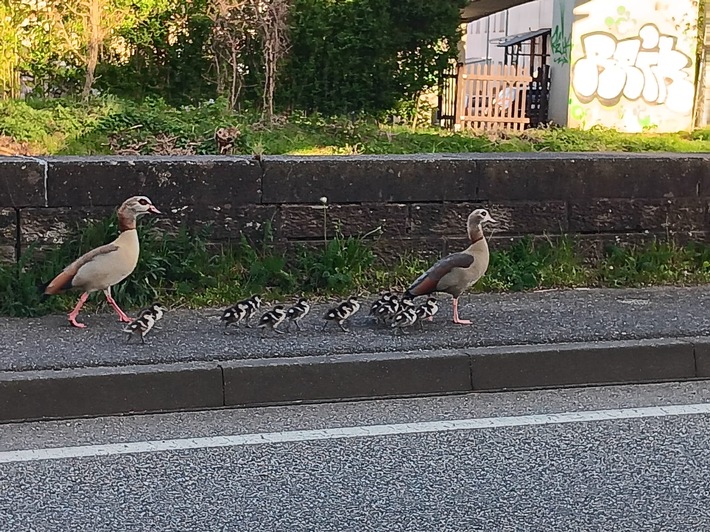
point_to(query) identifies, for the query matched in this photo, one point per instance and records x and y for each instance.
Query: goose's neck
(475, 234)
(126, 221)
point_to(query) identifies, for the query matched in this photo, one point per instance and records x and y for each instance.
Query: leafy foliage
(340, 266)
(162, 54)
(366, 55)
(360, 55)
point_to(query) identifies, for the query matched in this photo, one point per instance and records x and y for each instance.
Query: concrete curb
(46, 394)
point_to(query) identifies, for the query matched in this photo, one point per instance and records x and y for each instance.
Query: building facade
(632, 66)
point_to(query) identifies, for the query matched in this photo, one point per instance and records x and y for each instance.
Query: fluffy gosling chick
(387, 310)
(253, 304)
(241, 311)
(296, 313)
(233, 315)
(140, 326)
(377, 303)
(404, 318)
(342, 312)
(427, 310)
(156, 310)
(272, 319)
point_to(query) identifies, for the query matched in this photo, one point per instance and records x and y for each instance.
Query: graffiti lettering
(647, 67)
(561, 46)
(560, 40)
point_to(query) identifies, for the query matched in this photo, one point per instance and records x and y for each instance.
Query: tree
(233, 23)
(85, 25)
(272, 24)
(242, 29)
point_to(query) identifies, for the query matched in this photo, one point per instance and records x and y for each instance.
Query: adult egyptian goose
(105, 266)
(455, 273)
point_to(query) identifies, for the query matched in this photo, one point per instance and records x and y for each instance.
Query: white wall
(519, 19)
(633, 65)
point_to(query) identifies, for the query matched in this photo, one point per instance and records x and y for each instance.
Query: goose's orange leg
(121, 315)
(456, 314)
(74, 313)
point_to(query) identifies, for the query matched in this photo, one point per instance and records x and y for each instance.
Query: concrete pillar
(703, 98)
(561, 46)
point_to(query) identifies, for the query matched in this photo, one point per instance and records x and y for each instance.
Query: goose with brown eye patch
(455, 273)
(105, 266)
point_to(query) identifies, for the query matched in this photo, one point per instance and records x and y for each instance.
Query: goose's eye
(143, 201)
(484, 213)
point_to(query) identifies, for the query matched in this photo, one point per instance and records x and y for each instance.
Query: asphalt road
(499, 319)
(606, 474)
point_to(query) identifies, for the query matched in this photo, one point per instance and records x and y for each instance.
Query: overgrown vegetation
(331, 56)
(111, 125)
(184, 270)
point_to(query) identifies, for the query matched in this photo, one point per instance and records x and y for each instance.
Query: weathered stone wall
(420, 201)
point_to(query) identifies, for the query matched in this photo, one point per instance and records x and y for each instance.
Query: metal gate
(446, 109)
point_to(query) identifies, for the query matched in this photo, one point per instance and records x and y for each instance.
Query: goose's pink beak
(151, 208)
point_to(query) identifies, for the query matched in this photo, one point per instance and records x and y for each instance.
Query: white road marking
(85, 451)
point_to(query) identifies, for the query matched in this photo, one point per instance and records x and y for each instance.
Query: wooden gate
(492, 96)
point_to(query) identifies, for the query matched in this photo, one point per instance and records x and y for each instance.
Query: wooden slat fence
(492, 96)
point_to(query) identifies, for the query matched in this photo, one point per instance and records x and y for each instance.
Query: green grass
(182, 269)
(112, 125)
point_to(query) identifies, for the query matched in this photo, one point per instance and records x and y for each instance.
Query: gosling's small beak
(151, 208)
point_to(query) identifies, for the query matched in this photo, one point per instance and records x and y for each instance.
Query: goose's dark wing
(426, 283)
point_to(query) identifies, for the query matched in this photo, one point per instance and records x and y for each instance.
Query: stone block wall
(420, 201)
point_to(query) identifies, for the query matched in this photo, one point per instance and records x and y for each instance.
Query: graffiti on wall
(647, 66)
(633, 64)
(561, 39)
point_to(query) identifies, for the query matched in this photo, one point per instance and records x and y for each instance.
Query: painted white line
(84, 451)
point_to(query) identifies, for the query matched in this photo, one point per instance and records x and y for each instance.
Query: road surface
(628, 458)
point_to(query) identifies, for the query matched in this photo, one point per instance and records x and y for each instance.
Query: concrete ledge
(23, 182)
(169, 181)
(370, 178)
(702, 357)
(589, 363)
(252, 382)
(484, 177)
(100, 391)
(104, 391)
